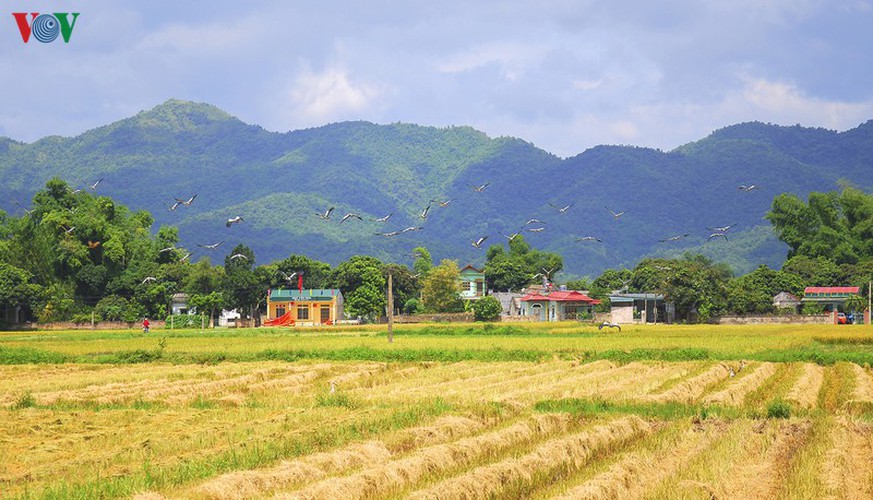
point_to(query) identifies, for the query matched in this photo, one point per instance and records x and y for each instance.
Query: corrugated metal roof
(831, 289)
(282, 294)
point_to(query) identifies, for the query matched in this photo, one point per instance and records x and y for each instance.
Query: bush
(487, 309)
(182, 321)
(412, 306)
(778, 409)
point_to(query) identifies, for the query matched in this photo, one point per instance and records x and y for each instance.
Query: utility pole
(390, 307)
(869, 302)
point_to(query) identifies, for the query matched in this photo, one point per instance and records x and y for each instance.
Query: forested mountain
(278, 182)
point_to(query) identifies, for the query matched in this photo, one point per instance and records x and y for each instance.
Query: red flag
(300, 283)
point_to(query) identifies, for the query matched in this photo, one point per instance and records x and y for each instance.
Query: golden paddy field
(445, 411)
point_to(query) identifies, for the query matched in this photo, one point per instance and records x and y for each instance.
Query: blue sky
(564, 75)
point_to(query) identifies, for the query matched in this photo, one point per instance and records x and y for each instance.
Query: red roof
(560, 296)
(533, 297)
(831, 289)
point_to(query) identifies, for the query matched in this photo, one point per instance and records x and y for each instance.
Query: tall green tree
(441, 289)
(363, 285)
(240, 285)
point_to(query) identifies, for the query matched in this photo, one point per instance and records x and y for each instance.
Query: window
(303, 312)
(280, 311)
(325, 314)
(480, 287)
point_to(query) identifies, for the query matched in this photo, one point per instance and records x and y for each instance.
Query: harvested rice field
(520, 412)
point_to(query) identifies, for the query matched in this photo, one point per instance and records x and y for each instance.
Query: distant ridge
(278, 181)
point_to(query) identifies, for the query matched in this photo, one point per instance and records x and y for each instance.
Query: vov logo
(45, 28)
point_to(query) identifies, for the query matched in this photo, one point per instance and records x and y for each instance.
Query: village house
(557, 305)
(509, 302)
(786, 301)
(287, 307)
(472, 283)
(640, 308)
(832, 298)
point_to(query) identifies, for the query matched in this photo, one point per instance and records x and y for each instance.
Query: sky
(563, 75)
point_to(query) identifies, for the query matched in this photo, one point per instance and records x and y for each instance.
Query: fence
(793, 319)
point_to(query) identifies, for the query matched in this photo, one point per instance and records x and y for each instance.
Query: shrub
(412, 306)
(487, 309)
(778, 409)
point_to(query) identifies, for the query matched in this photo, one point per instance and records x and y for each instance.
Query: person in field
(145, 325)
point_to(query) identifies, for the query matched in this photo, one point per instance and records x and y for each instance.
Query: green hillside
(279, 181)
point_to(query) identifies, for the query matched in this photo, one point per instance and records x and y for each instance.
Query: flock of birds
(533, 224)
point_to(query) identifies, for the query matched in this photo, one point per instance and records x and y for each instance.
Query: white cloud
(784, 102)
(331, 95)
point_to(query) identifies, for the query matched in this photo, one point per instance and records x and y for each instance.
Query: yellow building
(304, 307)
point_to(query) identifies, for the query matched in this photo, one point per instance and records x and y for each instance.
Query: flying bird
(213, 246)
(326, 214)
(589, 238)
(721, 229)
(168, 249)
(238, 256)
(478, 243)
(389, 234)
(616, 215)
(424, 213)
(481, 188)
(509, 237)
(536, 229)
(383, 219)
(148, 279)
(350, 216)
(233, 220)
(673, 238)
(288, 277)
(93, 244)
(75, 191)
(174, 206)
(69, 230)
(442, 204)
(94, 186)
(743, 187)
(412, 228)
(607, 324)
(562, 210)
(717, 235)
(533, 221)
(183, 259)
(187, 202)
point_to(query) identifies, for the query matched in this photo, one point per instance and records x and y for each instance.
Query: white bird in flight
(562, 210)
(350, 215)
(238, 256)
(326, 214)
(233, 220)
(481, 188)
(212, 246)
(187, 202)
(424, 213)
(743, 187)
(383, 219)
(94, 186)
(589, 238)
(478, 243)
(721, 229)
(674, 238)
(148, 279)
(718, 235)
(616, 215)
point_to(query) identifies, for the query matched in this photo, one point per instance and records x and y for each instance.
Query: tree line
(74, 256)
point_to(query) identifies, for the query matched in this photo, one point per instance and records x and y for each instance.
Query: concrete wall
(434, 318)
(103, 325)
(818, 319)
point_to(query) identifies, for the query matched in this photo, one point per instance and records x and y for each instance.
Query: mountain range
(278, 182)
